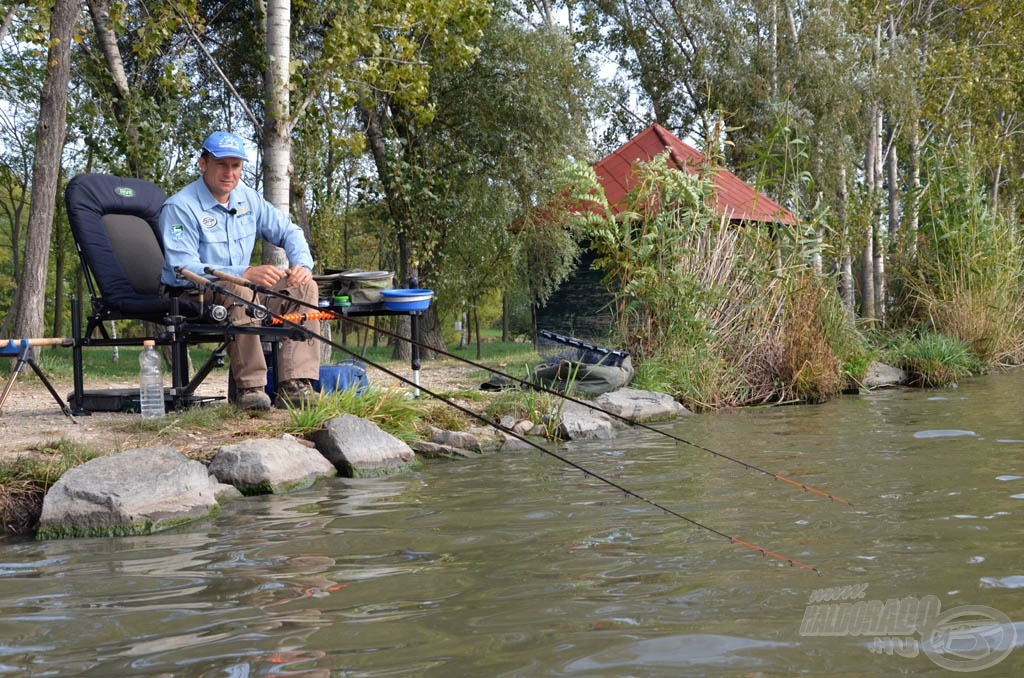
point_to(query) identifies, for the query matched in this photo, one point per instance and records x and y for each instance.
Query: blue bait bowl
(406, 300)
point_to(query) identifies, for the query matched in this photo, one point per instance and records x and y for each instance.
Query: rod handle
(191, 277)
(36, 341)
(228, 277)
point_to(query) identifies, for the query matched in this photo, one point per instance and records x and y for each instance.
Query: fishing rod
(281, 318)
(620, 417)
(320, 314)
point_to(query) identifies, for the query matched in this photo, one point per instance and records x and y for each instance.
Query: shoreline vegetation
(715, 314)
(931, 361)
(720, 314)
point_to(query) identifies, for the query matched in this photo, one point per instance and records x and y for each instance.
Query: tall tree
(106, 38)
(22, 67)
(394, 106)
(50, 132)
(278, 124)
(457, 181)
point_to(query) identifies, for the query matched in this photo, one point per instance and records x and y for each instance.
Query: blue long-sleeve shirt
(199, 232)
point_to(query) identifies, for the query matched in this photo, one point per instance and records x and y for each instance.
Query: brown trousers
(296, 359)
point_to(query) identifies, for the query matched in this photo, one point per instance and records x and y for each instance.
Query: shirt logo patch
(209, 222)
(177, 231)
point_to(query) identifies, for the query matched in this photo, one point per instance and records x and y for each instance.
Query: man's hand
(299, 275)
(265, 275)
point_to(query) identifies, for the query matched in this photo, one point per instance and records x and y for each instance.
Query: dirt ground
(32, 421)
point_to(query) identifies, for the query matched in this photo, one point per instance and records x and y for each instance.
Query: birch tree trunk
(51, 129)
(277, 146)
(100, 12)
(867, 254)
(872, 253)
(846, 287)
(817, 263)
(773, 42)
(878, 236)
(914, 208)
(892, 179)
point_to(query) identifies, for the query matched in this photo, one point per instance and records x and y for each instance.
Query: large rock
(359, 449)
(880, 375)
(579, 422)
(639, 406)
(138, 491)
(459, 439)
(270, 466)
(425, 448)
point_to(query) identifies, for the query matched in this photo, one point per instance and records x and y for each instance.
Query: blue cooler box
(343, 375)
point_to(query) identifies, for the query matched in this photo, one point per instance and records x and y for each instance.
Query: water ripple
(945, 433)
(675, 651)
(1015, 581)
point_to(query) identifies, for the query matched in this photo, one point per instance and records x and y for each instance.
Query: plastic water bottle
(151, 381)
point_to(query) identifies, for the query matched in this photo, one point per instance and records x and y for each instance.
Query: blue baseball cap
(225, 145)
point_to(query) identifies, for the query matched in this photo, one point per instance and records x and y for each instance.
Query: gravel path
(31, 420)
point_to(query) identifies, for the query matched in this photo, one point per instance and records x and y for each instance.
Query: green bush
(933, 360)
(966, 278)
(716, 313)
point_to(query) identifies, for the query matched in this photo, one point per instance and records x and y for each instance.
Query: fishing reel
(257, 312)
(216, 313)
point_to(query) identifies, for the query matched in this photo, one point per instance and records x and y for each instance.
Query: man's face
(221, 175)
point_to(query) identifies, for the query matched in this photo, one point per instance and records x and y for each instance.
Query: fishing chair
(114, 222)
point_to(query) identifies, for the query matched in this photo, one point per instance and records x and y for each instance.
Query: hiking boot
(295, 392)
(252, 399)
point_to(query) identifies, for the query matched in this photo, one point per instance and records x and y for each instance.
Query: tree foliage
(425, 132)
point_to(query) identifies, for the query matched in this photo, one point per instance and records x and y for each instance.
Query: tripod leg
(18, 367)
(49, 387)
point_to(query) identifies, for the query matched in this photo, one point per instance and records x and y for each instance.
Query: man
(214, 222)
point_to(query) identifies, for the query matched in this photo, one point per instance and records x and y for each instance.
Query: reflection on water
(516, 565)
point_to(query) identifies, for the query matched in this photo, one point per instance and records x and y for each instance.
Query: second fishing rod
(319, 313)
(258, 311)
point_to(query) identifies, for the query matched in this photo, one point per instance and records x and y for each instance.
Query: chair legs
(78, 397)
(178, 336)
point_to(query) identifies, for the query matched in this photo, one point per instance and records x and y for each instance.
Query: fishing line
(283, 319)
(620, 417)
(320, 314)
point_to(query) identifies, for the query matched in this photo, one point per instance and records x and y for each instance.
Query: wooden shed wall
(581, 307)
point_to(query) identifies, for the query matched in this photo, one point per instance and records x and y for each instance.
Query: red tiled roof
(735, 199)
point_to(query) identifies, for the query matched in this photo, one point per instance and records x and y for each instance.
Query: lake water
(517, 565)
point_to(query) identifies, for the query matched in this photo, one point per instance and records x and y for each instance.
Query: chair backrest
(114, 221)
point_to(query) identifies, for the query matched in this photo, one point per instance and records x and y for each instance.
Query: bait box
(406, 300)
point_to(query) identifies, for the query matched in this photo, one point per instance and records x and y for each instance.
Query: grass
(207, 417)
(933, 359)
(389, 408)
(25, 479)
(539, 407)
(104, 363)
(123, 363)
